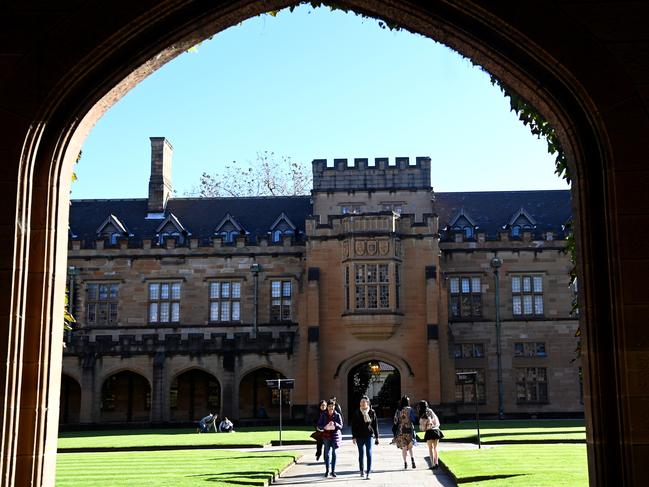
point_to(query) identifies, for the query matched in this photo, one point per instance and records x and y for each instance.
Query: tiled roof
(199, 216)
(493, 210)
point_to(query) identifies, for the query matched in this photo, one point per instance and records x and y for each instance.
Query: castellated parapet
(383, 174)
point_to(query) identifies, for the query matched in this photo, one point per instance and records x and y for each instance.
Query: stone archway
(543, 51)
(125, 398)
(193, 394)
(256, 400)
(380, 381)
(70, 402)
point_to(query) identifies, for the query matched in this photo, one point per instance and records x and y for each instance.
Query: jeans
(318, 448)
(329, 444)
(364, 444)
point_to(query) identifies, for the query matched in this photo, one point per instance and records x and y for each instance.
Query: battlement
(381, 173)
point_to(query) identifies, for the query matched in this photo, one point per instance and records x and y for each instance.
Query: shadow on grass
(484, 478)
(249, 478)
(535, 433)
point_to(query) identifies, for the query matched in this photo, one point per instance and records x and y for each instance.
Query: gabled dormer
(521, 221)
(229, 228)
(462, 223)
(171, 227)
(112, 229)
(282, 226)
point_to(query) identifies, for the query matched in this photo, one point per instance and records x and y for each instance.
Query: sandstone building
(188, 305)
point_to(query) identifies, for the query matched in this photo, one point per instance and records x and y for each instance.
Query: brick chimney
(160, 180)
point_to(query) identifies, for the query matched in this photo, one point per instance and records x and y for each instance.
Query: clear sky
(315, 84)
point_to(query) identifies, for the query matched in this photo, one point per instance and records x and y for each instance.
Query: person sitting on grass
(206, 423)
(226, 426)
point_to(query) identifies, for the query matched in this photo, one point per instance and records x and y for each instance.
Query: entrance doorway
(256, 400)
(194, 394)
(378, 380)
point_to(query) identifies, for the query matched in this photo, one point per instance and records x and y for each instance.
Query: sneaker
(333, 474)
(367, 476)
(362, 474)
(326, 474)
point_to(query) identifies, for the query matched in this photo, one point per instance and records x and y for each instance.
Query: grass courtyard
(145, 438)
(547, 465)
(178, 468)
(494, 431)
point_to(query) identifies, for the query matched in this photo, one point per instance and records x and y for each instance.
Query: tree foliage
(390, 393)
(268, 175)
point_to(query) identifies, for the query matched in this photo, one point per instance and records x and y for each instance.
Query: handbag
(316, 435)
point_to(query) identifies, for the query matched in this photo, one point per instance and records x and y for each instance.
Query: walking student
(317, 435)
(429, 423)
(364, 427)
(405, 438)
(330, 423)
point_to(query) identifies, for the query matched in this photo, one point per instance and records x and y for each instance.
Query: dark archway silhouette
(125, 398)
(194, 394)
(380, 381)
(543, 50)
(255, 397)
(70, 403)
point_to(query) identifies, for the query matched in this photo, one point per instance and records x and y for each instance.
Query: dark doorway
(380, 381)
(194, 394)
(256, 400)
(70, 400)
(125, 397)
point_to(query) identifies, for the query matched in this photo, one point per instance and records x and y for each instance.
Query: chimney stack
(160, 180)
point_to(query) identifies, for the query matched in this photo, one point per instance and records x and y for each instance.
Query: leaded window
(468, 350)
(465, 297)
(225, 301)
(531, 385)
(280, 295)
(101, 303)
(465, 393)
(164, 302)
(527, 295)
(529, 349)
(372, 283)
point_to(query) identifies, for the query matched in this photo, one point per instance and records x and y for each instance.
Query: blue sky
(315, 84)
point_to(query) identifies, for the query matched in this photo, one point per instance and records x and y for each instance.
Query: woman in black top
(318, 442)
(364, 427)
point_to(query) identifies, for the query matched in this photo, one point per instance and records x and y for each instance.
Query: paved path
(387, 466)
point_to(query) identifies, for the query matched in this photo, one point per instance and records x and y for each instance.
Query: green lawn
(177, 468)
(519, 465)
(258, 436)
(518, 430)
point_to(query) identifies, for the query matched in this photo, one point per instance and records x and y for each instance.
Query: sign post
(472, 378)
(280, 384)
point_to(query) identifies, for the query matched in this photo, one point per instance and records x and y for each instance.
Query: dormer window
(171, 227)
(351, 209)
(281, 227)
(520, 222)
(228, 229)
(462, 226)
(112, 229)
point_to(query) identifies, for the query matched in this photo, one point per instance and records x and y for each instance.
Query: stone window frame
(472, 346)
(531, 387)
(394, 284)
(530, 349)
(285, 313)
(111, 301)
(231, 299)
(376, 284)
(466, 395)
(172, 299)
(474, 296)
(522, 295)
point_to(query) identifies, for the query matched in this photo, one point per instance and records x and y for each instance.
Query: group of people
(211, 421)
(365, 431)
